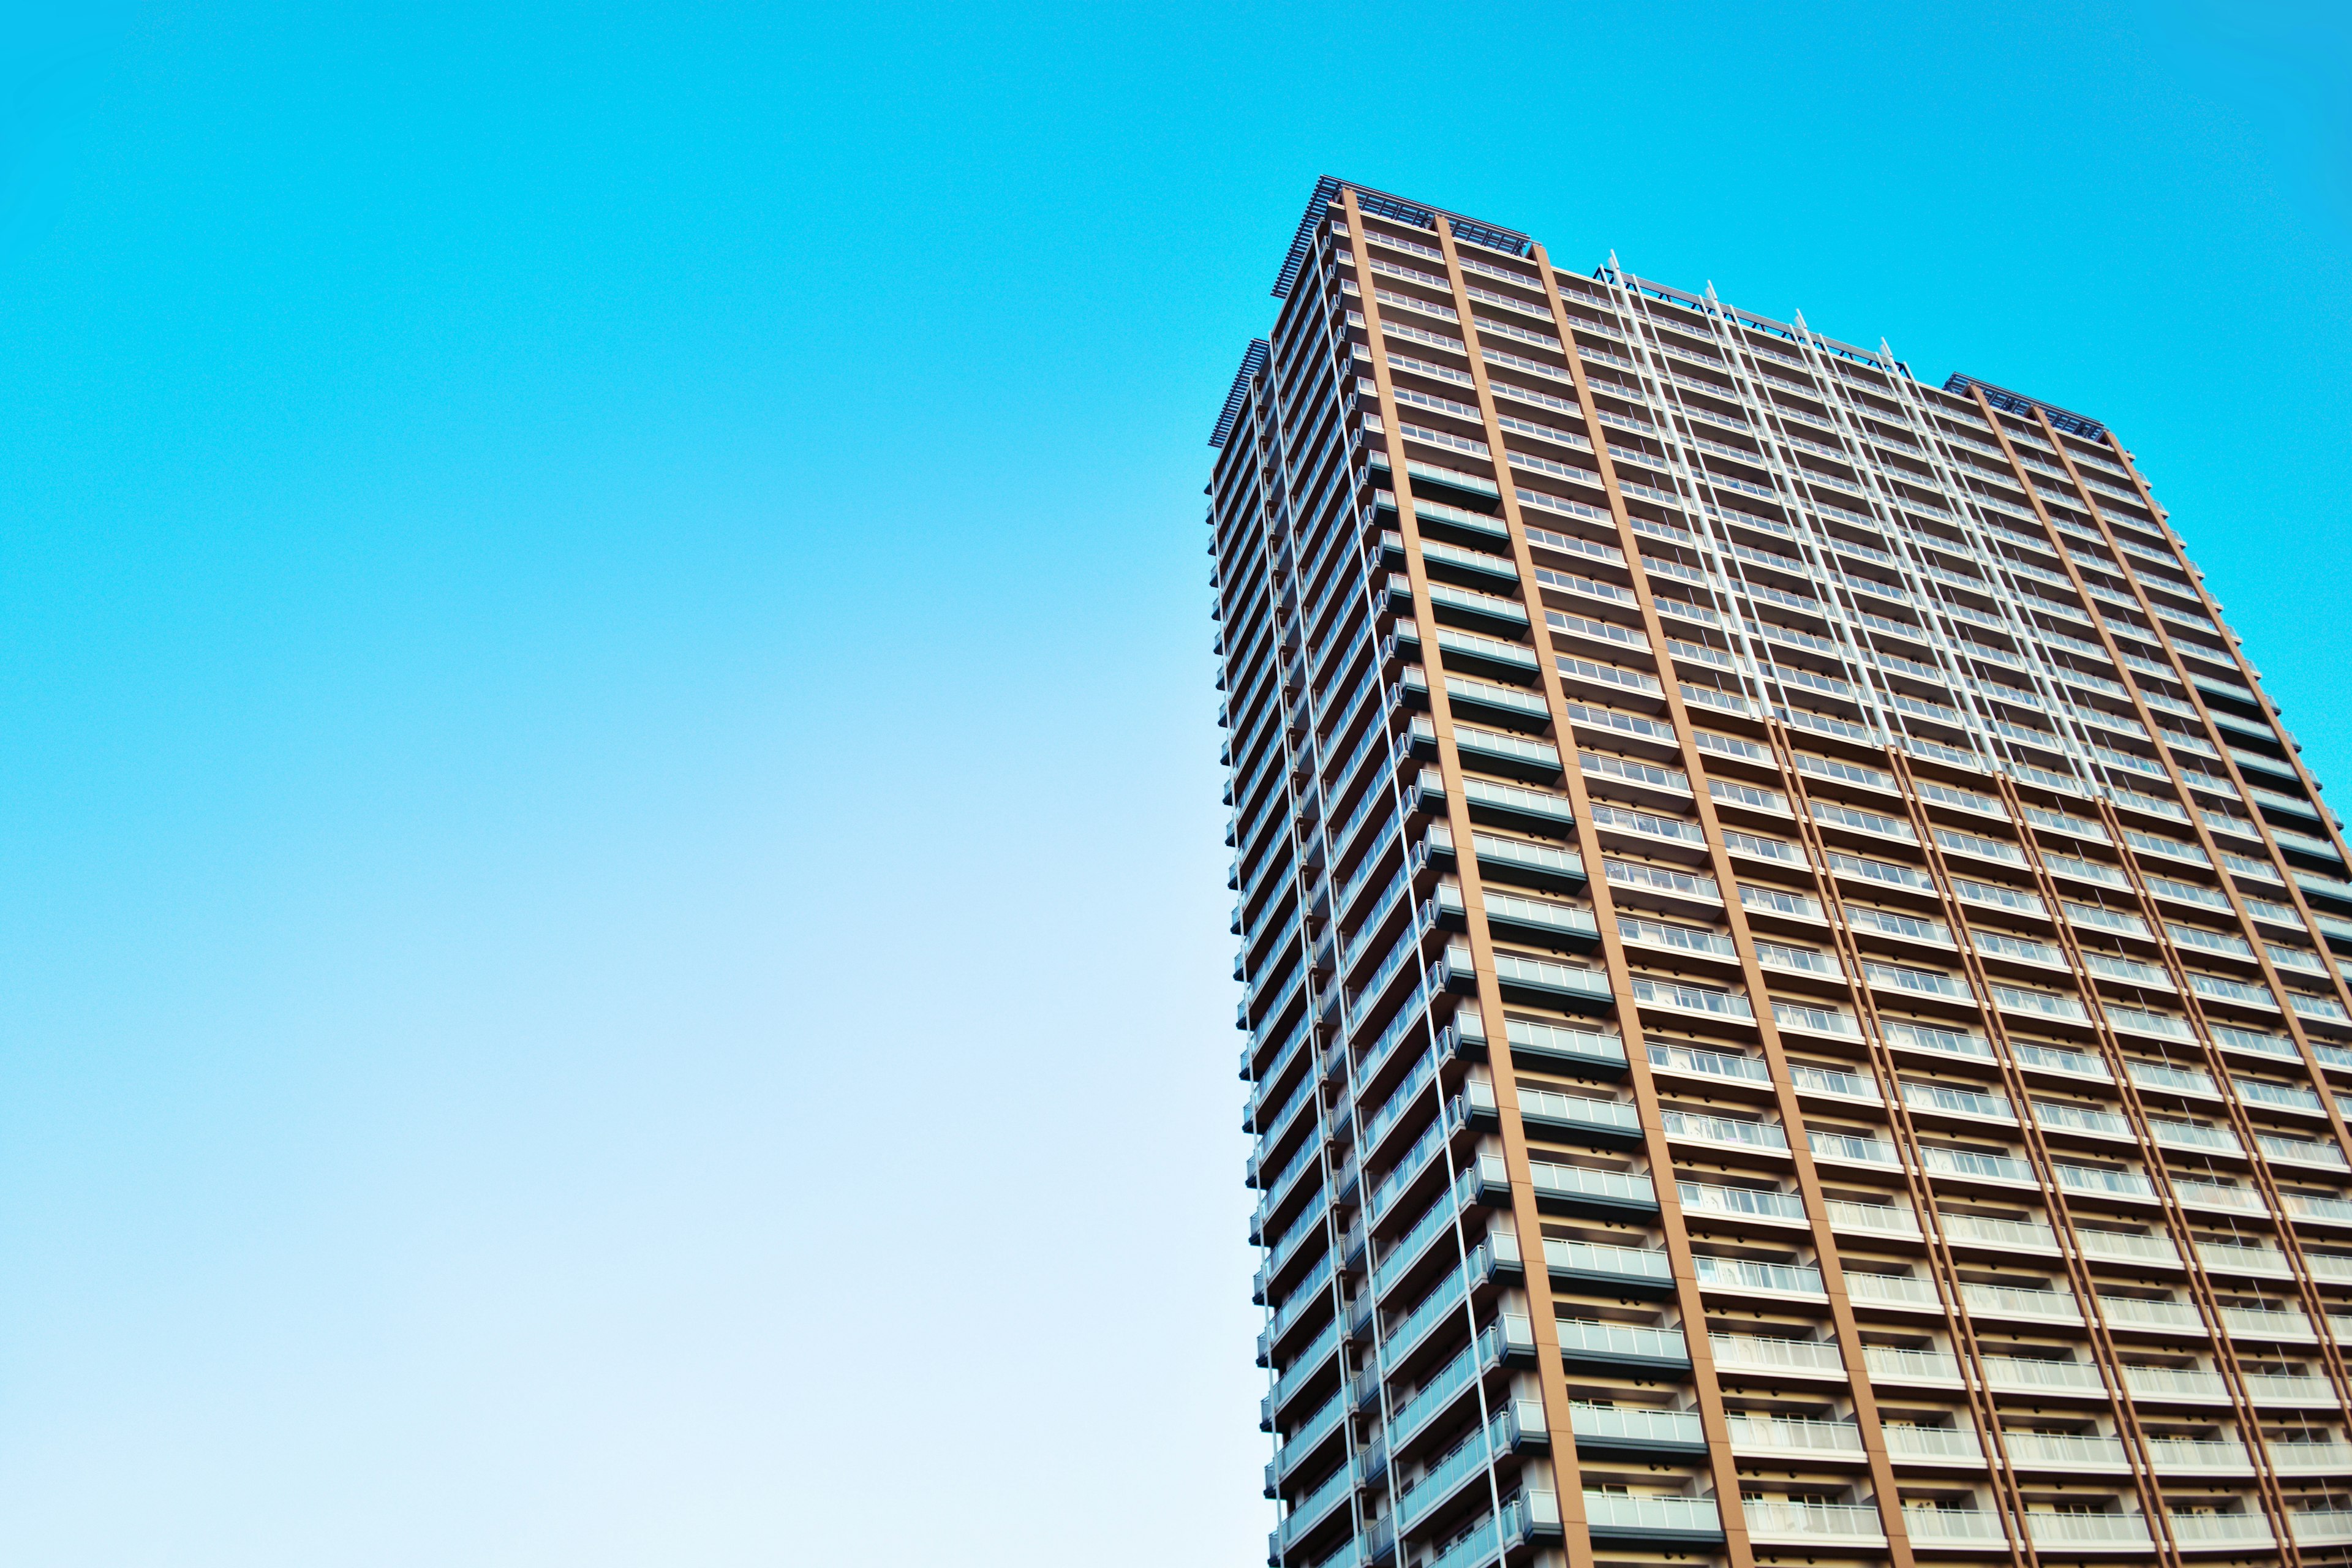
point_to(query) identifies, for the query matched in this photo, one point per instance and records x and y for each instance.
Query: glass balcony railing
(2021, 1301)
(1891, 1289)
(1723, 1130)
(1907, 1440)
(1599, 1262)
(2064, 1451)
(2163, 1316)
(2321, 1526)
(2331, 1458)
(2018, 1236)
(1708, 1064)
(2268, 1324)
(1980, 1167)
(1929, 1526)
(1593, 1340)
(1756, 1352)
(1895, 1363)
(1634, 1426)
(2173, 1383)
(1621, 1515)
(2047, 1530)
(2289, 1388)
(1792, 1434)
(1556, 1111)
(2036, 1374)
(2125, 1246)
(1786, 1520)
(1748, 1274)
(2178, 1455)
(1617, 1189)
(1747, 1203)
(2219, 1529)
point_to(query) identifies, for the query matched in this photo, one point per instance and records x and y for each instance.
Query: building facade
(1792, 1007)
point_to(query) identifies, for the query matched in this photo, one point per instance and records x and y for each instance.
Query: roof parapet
(2018, 403)
(1252, 363)
(1380, 203)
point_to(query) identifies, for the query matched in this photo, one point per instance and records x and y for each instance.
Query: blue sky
(612, 927)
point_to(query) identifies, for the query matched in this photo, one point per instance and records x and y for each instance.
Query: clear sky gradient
(612, 912)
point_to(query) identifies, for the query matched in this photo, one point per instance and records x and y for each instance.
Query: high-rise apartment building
(1792, 1000)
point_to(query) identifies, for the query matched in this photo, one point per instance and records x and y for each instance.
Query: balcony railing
(1779, 1520)
(1776, 1434)
(2320, 1526)
(2064, 1451)
(2173, 1383)
(1593, 1339)
(1747, 1274)
(2035, 1375)
(2220, 1529)
(1617, 1514)
(1952, 1526)
(2182, 1454)
(1934, 1443)
(1893, 1364)
(2061, 1530)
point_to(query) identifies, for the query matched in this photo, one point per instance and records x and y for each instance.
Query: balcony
(1529, 865)
(2064, 1451)
(2220, 1530)
(2037, 1375)
(1891, 1291)
(1540, 922)
(1597, 1267)
(2320, 1526)
(1519, 1426)
(1952, 1526)
(1530, 1516)
(2126, 1246)
(1317, 1506)
(1741, 1203)
(2005, 1235)
(1784, 1280)
(1779, 1357)
(1873, 1219)
(1547, 983)
(1634, 1431)
(1514, 755)
(2310, 1459)
(1575, 1118)
(1663, 1522)
(1932, 1445)
(1778, 1522)
(2087, 1532)
(1929, 1368)
(1708, 1064)
(1788, 1436)
(1973, 1166)
(1579, 1189)
(1622, 1347)
(2161, 1317)
(2020, 1301)
(2268, 1324)
(2291, 1390)
(1845, 1148)
(2168, 1383)
(1725, 1131)
(2101, 1180)
(1575, 1049)
(1508, 1340)
(2194, 1457)
(2218, 1196)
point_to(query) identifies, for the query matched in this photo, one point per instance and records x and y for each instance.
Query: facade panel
(1791, 997)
